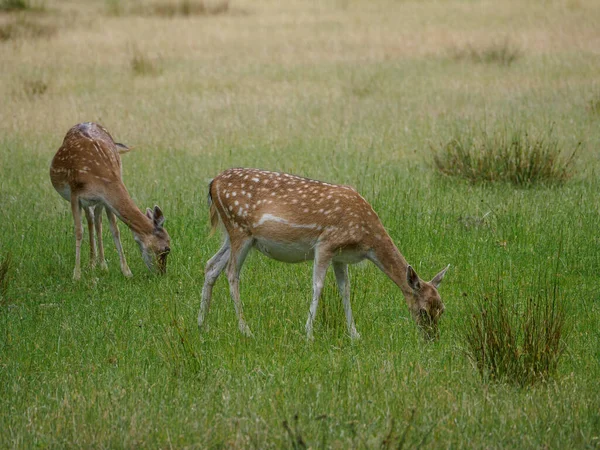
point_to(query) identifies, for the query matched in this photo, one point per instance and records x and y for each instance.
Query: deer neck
(388, 258)
(124, 207)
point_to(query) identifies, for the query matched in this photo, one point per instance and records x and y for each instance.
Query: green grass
(111, 362)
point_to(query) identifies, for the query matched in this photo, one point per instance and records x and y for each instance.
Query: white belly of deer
(289, 252)
(65, 192)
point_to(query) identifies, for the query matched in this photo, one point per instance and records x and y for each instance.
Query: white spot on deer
(227, 195)
(256, 180)
(305, 210)
(236, 203)
(230, 208)
(234, 193)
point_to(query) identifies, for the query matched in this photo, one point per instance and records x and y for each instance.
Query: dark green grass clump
(517, 343)
(4, 269)
(169, 8)
(510, 156)
(22, 28)
(502, 53)
(144, 65)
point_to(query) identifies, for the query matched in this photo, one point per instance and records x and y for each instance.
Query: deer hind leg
(214, 267)
(239, 250)
(114, 229)
(76, 210)
(321, 264)
(89, 216)
(343, 282)
(98, 226)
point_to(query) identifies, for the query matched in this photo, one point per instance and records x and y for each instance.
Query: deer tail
(214, 214)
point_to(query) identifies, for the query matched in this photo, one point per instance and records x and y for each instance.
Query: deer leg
(89, 216)
(214, 267)
(322, 261)
(343, 282)
(114, 229)
(76, 210)
(98, 226)
(239, 251)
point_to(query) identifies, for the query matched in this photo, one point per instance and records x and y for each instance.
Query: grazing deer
(86, 171)
(294, 219)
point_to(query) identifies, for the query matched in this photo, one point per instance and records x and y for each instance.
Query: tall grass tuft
(143, 65)
(178, 350)
(511, 156)
(518, 342)
(4, 269)
(21, 28)
(594, 105)
(502, 53)
(14, 5)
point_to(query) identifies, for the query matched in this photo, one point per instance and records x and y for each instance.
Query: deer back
(87, 157)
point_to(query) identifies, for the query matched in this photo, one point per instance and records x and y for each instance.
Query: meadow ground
(351, 92)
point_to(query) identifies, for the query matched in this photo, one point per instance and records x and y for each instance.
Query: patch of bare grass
(503, 53)
(513, 156)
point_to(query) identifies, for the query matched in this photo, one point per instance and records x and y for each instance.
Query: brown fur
(282, 215)
(86, 170)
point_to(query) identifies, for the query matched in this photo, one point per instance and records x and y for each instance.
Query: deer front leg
(114, 229)
(98, 225)
(322, 261)
(213, 269)
(343, 282)
(89, 216)
(239, 251)
(76, 210)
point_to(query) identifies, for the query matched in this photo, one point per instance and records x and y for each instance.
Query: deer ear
(158, 217)
(149, 214)
(413, 279)
(122, 148)
(439, 277)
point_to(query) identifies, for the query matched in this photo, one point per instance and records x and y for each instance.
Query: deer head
(424, 302)
(155, 246)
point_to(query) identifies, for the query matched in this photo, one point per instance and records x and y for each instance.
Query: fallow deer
(293, 219)
(86, 171)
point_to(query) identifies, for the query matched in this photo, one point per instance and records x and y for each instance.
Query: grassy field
(351, 92)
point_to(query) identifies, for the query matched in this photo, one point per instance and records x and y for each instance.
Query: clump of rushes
(512, 156)
(502, 53)
(517, 343)
(143, 65)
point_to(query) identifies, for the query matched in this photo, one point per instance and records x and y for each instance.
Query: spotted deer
(86, 171)
(293, 219)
